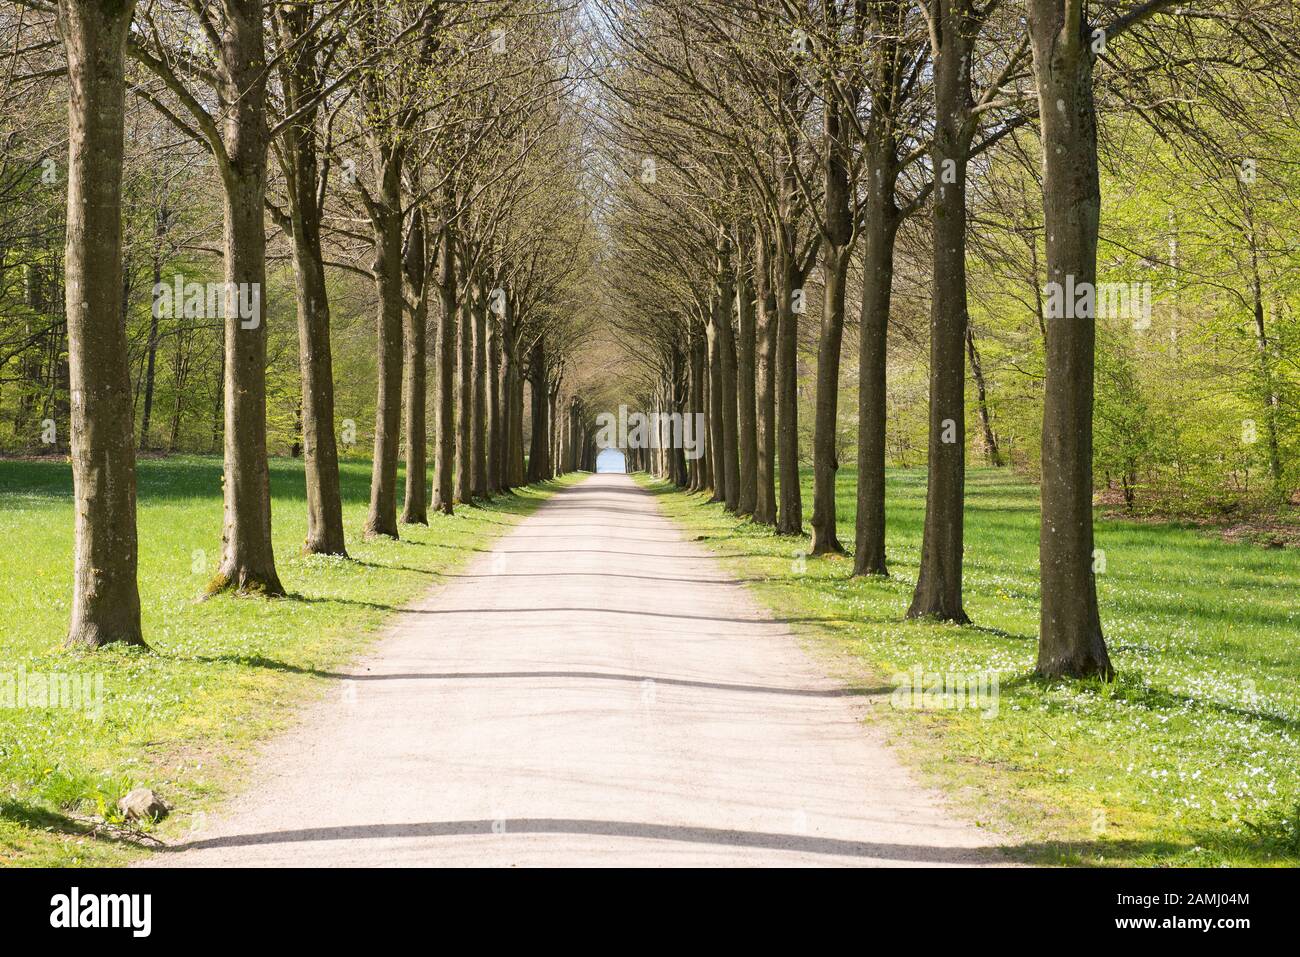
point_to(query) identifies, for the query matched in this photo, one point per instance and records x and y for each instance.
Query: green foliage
(1185, 407)
(1125, 433)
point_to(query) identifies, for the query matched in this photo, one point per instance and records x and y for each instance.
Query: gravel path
(594, 690)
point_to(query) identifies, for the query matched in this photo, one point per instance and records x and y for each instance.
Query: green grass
(1191, 757)
(222, 674)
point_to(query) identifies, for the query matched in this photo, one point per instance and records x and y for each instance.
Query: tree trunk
(838, 238)
(180, 376)
(538, 453)
(553, 426)
(938, 586)
(302, 175)
(746, 424)
(880, 227)
(445, 398)
(320, 448)
(512, 404)
(555, 432)
(982, 400)
(493, 434)
(790, 514)
(725, 304)
(764, 387)
(679, 404)
(835, 268)
(717, 436)
(699, 413)
(415, 385)
(381, 521)
(563, 436)
(151, 360)
(247, 560)
(219, 400)
(571, 436)
(465, 402)
(478, 440)
(105, 597)
(30, 368)
(1070, 637)
(515, 425)
(1267, 379)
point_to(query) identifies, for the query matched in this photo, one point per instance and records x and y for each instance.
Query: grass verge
(222, 674)
(1190, 758)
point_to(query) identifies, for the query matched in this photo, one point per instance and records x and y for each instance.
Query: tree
(395, 46)
(306, 42)
(842, 32)
(1070, 641)
(237, 135)
(897, 60)
(956, 27)
(105, 598)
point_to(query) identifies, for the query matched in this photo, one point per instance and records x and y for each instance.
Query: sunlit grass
(221, 673)
(1192, 757)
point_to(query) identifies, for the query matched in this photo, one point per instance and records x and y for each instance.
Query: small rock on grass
(142, 805)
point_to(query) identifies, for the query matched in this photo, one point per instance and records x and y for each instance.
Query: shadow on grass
(448, 545)
(380, 565)
(37, 818)
(1213, 844)
(40, 818)
(270, 664)
(999, 632)
(1131, 689)
(334, 600)
(1161, 699)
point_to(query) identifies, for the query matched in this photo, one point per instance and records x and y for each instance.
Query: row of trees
(690, 187)
(772, 152)
(429, 149)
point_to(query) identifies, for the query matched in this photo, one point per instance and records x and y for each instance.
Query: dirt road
(593, 690)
